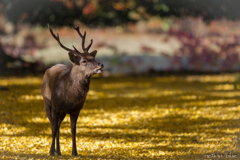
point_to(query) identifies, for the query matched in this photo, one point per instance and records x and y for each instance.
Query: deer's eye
(84, 61)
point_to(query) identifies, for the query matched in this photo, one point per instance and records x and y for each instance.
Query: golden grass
(169, 117)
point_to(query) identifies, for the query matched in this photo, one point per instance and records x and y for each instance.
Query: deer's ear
(93, 53)
(74, 59)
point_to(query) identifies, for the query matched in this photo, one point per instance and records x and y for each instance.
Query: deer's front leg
(74, 118)
(54, 124)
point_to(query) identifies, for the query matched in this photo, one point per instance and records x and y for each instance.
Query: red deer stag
(64, 89)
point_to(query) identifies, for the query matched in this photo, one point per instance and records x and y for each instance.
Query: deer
(64, 88)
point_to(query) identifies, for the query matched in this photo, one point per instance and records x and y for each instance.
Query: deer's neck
(79, 82)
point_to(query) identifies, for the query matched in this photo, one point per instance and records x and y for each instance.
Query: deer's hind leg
(61, 117)
(54, 125)
(48, 106)
(53, 118)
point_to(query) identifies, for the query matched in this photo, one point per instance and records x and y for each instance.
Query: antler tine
(77, 29)
(76, 49)
(58, 40)
(89, 45)
(83, 39)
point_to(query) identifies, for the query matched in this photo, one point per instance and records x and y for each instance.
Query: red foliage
(90, 8)
(69, 4)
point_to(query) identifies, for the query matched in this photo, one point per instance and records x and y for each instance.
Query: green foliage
(108, 12)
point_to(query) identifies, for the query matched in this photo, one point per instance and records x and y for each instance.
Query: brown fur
(64, 90)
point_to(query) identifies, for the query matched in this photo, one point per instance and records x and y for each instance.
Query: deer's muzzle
(100, 65)
(99, 70)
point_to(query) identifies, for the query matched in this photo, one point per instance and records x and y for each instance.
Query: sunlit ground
(168, 117)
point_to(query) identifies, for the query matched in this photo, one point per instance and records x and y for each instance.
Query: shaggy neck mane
(79, 79)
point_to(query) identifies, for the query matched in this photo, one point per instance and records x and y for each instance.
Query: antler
(58, 40)
(83, 39)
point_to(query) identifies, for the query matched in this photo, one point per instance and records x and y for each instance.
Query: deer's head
(84, 62)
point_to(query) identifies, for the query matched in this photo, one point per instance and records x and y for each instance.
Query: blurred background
(131, 36)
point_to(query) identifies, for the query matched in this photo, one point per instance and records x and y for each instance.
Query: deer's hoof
(75, 154)
(58, 153)
(52, 153)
